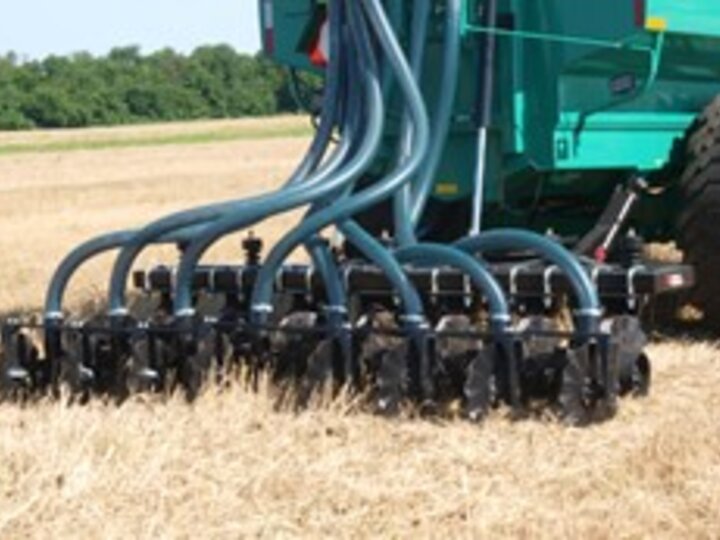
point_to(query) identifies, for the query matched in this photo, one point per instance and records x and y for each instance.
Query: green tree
(126, 86)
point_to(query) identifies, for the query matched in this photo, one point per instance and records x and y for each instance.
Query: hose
(298, 191)
(359, 163)
(590, 310)
(482, 278)
(404, 230)
(86, 251)
(366, 198)
(444, 110)
(183, 228)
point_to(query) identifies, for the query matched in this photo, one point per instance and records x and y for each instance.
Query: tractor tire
(698, 232)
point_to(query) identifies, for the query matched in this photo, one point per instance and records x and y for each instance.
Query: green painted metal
(692, 17)
(284, 25)
(588, 91)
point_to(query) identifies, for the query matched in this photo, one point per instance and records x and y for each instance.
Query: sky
(37, 28)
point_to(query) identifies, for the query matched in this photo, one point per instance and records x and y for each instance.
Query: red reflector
(675, 281)
(600, 255)
(268, 26)
(640, 13)
(269, 41)
(319, 50)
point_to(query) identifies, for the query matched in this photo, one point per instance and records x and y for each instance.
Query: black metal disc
(582, 399)
(480, 389)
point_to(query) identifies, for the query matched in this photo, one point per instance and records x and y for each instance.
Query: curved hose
(316, 247)
(368, 197)
(111, 241)
(443, 114)
(86, 251)
(367, 151)
(404, 230)
(482, 278)
(509, 239)
(396, 13)
(294, 194)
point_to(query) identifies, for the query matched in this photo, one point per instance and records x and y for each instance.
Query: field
(231, 467)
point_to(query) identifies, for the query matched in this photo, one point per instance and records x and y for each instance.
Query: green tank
(583, 96)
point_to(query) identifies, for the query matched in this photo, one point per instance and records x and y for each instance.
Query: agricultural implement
(491, 170)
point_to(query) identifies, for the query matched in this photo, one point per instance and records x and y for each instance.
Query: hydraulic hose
(86, 251)
(590, 310)
(444, 109)
(396, 13)
(368, 197)
(349, 127)
(404, 230)
(482, 278)
(366, 153)
(108, 242)
(293, 195)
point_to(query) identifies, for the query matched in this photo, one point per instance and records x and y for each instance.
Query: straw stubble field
(231, 467)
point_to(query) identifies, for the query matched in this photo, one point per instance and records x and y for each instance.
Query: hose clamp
(185, 313)
(262, 308)
(501, 318)
(119, 312)
(54, 316)
(589, 312)
(417, 321)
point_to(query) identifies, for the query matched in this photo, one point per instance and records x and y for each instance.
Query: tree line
(126, 86)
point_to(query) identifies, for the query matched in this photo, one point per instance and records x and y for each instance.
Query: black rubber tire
(698, 234)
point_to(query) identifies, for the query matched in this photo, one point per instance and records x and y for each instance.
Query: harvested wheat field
(231, 467)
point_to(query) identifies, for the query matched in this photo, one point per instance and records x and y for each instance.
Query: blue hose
(590, 310)
(360, 162)
(443, 115)
(86, 251)
(482, 278)
(402, 202)
(367, 198)
(299, 190)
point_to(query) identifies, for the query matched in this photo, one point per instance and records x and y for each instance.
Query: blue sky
(37, 28)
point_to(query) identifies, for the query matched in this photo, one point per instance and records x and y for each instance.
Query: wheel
(697, 232)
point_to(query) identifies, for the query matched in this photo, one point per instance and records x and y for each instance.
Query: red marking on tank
(268, 27)
(640, 13)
